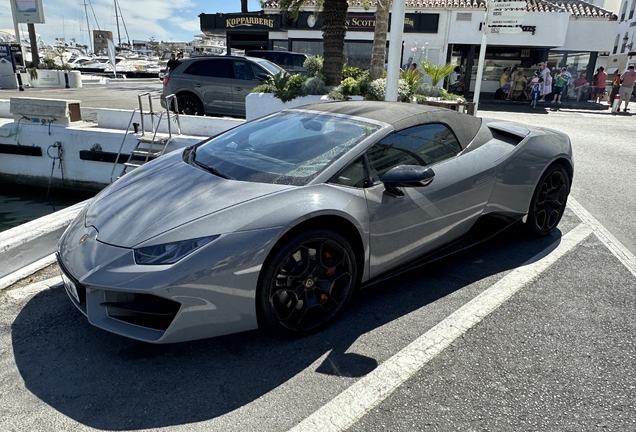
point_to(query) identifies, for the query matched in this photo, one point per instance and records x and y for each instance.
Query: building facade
(565, 33)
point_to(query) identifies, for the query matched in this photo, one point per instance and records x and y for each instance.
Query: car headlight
(169, 253)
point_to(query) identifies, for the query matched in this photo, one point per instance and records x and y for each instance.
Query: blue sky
(168, 20)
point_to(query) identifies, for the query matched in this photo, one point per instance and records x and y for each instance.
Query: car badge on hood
(83, 239)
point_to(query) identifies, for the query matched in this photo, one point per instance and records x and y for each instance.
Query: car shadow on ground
(108, 382)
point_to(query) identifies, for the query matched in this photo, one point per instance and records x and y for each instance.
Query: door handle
(198, 85)
(238, 88)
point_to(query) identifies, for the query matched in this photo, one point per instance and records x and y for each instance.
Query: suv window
(216, 68)
(420, 145)
(245, 70)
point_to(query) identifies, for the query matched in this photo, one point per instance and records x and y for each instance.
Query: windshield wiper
(214, 171)
(192, 158)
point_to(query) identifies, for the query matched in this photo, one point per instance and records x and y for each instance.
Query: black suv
(290, 61)
(216, 85)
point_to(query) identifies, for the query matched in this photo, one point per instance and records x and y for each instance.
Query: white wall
(590, 34)
(551, 29)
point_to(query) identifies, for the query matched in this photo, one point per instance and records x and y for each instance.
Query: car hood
(163, 195)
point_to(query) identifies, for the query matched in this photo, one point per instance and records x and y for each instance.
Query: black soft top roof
(404, 115)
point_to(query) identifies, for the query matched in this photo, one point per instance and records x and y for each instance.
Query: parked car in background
(292, 62)
(216, 85)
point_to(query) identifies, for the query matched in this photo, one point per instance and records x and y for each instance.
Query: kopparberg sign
(249, 22)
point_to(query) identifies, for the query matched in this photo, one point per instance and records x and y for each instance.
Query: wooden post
(35, 56)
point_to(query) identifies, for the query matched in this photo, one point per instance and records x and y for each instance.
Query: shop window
(358, 54)
(280, 45)
(310, 47)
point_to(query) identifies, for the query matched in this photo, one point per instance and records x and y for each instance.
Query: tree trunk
(35, 55)
(379, 39)
(243, 6)
(334, 30)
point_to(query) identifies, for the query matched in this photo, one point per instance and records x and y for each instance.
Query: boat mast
(90, 39)
(117, 20)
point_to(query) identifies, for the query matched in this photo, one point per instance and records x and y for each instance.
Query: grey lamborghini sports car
(276, 222)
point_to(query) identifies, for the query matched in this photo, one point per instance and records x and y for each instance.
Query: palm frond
(436, 72)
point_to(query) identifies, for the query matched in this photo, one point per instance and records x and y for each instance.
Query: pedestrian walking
(627, 87)
(172, 63)
(616, 84)
(536, 90)
(561, 82)
(544, 72)
(601, 80)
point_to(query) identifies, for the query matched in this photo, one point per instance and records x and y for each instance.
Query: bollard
(617, 103)
(19, 77)
(136, 126)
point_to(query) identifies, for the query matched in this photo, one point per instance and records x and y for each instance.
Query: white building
(622, 52)
(568, 33)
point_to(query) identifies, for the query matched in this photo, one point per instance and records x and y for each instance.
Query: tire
(549, 201)
(189, 104)
(306, 282)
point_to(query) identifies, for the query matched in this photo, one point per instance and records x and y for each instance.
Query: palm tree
(436, 72)
(379, 39)
(334, 28)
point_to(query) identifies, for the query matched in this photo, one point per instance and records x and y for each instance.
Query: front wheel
(189, 105)
(549, 200)
(306, 283)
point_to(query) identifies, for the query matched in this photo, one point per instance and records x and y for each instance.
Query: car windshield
(290, 147)
(271, 67)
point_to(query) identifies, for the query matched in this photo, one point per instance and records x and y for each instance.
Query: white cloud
(162, 19)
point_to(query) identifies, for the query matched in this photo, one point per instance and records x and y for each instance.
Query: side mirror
(407, 176)
(262, 77)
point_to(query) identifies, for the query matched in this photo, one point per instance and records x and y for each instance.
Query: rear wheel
(306, 283)
(549, 200)
(189, 104)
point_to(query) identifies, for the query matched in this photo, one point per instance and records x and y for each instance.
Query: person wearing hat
(628, 78)
(561, 81)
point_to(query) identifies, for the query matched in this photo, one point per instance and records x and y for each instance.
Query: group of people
(515, 85)
(623, 86)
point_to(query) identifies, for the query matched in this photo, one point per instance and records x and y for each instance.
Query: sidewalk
(581, 105)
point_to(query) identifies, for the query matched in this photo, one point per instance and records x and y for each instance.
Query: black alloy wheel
(306, 283)
(189, 104)
(549, 200)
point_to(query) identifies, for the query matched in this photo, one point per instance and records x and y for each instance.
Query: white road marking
(353, 403)
(616, 247)
(35, 288)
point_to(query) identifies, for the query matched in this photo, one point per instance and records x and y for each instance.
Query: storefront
(276, 32)
(243, 31)
(570, 33)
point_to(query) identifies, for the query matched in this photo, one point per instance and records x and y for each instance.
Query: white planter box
(260, 104)
(54, 79)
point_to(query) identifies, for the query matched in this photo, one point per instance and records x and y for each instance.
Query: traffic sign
(501, 30)
(508, 5)
(500, 22)
(493, 14)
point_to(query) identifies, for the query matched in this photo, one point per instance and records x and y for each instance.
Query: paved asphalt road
(517, 334)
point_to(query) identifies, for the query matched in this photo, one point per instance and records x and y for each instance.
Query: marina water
(18, 205)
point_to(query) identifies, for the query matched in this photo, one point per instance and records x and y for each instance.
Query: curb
(28, 247)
